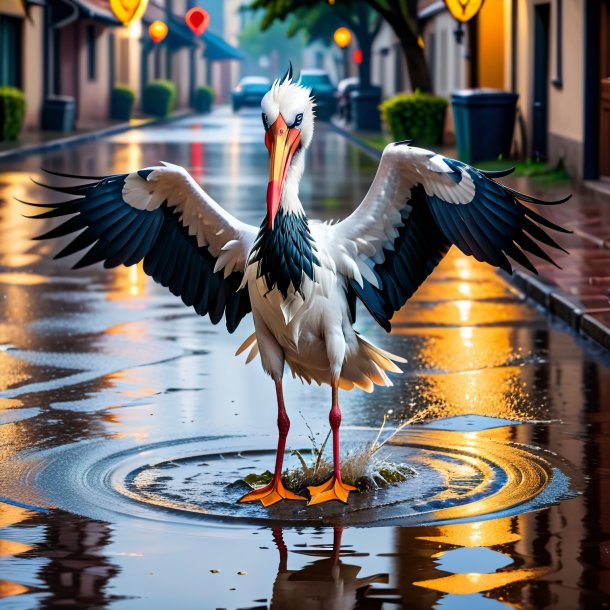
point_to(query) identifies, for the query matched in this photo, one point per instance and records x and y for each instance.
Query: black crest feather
(288, 75)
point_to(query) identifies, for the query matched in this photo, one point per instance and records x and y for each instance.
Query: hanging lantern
(157, 31)
(127, 11)
(197, 19)
(464, 10)
(357, 56)
(342, 37)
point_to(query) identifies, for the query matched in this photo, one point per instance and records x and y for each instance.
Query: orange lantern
(464, 10)
(342, 37)
(127, 11)
(157, 31)
(197, 19)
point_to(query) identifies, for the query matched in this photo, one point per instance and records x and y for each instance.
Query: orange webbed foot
(333, 489)
(270, 494)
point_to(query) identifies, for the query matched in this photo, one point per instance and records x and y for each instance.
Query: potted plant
(204, 98)
(416, 116)
(121, 102)
(159, 98)
(12, 112)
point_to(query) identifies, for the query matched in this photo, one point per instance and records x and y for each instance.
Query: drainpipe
(513, 46)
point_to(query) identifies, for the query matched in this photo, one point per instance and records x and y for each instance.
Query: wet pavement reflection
(102, 369)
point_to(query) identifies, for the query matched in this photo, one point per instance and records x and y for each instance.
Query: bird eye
(265, 121)
(297, 120)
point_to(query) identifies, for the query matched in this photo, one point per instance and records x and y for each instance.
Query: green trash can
(484, 123)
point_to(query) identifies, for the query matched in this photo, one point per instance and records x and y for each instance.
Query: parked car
(249, 91)
(323, 91)
(344, 88)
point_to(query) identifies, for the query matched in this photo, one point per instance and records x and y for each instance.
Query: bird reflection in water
(325, 584)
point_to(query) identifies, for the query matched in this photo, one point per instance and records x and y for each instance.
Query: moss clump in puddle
(361, 467)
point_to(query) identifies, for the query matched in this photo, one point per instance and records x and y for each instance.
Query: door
(604, 91)
(541, 81)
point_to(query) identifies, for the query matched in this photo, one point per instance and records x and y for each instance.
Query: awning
(15, 8)
(179, 34)
(218, 49)
(97, 9)
(431, 10)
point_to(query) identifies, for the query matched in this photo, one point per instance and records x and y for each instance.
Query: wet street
(126, 423)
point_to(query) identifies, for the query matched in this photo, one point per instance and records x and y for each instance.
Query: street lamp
(197, 19)
(342, 37)
(463, 11)
(127, 11)
(157, 31)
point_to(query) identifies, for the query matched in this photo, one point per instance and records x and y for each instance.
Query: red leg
(334, 488)
(275, 491)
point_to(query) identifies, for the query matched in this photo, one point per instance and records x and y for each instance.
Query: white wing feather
(373, 226)
(228, 239)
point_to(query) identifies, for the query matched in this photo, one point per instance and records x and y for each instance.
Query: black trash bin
(484, 123)
(59, 114)
(364, 105)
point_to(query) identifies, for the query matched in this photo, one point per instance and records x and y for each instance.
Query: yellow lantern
(157, 31)
(127, 11)
(342, 37)
(464, 10)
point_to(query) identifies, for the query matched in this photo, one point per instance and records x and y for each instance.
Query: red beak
(281, 143)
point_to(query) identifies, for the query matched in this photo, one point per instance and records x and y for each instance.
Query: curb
(72, 140)
(567, 309)
(359, 142)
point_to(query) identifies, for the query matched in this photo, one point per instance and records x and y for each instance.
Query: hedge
(204, 97)
(159, 98)
(415, 116)
(121, 102)
(12, 112)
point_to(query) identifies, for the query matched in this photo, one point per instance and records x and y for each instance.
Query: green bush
(159, 98)
(415, 116)
(204, 97)
(12, 112)
(121, 102)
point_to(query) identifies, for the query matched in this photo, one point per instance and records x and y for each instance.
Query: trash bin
(364, 105)
(484, 123)
(59, 114)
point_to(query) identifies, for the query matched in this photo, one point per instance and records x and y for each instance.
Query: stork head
(288, 120)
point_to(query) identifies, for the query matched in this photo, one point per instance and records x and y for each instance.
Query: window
(10, 51)
(91, 51)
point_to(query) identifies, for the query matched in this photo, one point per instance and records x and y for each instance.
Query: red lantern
(197, 19)
(157, 31)
(357, 56)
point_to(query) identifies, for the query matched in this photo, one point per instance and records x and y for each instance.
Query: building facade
(77, 49)
(555, 54)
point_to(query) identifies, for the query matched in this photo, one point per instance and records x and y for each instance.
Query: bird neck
(286, 252)
(290, 202)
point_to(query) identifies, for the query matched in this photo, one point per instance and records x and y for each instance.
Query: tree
(319, 22)
(275, 43)
(401, 16)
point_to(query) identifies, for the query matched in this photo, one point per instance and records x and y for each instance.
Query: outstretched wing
(418, 205)
(188, 242)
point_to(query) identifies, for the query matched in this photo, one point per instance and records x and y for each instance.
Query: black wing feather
(119, 234)
(494, 226)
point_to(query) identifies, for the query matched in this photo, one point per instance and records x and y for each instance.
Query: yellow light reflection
(526, 474)
(11, 515)
(473, 582)
(127, 282)
(10, 547)
(490, 533)
(23, 279)
(8, 588)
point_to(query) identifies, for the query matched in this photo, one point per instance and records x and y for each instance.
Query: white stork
(301, 279)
